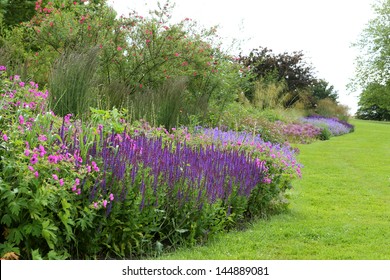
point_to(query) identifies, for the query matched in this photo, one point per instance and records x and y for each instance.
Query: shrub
(330, 109)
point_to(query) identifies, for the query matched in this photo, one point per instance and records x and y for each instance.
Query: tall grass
(167, 105)
(267, 95)
(71, 83)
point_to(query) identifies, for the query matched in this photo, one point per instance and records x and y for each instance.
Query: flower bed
(107, 189)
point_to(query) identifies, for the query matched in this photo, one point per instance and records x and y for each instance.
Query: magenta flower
(42, 151)
(95, 204)
(111, 197)
(36, 174)
(5, 137)
(34, 159)
(52, 159)
(3, 68)
(31, 168)
(21, 119)
(55, 177)
(42, 138)
(104, 203)
(77, 182)
(26, 152)
(67, 118)
(61, 182)
(95, 167)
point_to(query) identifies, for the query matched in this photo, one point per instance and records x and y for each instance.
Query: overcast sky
(323, 29)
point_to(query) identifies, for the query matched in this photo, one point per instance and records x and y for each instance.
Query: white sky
(323, 29)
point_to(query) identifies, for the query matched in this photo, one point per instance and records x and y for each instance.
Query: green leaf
(48, 232)
(6, 219)
(34, 229)
(53, 255)
(14, 207)
(36, 255)
(15, 235)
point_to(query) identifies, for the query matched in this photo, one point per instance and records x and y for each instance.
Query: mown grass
(339, 210)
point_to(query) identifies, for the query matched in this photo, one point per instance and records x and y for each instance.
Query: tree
(373, 65)
(284, 67)
(321, 90)
(374, 103)
(14, 12)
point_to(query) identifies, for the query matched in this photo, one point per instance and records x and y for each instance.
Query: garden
(129, 137)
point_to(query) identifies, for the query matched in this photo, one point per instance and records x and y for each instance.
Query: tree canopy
(373, 65)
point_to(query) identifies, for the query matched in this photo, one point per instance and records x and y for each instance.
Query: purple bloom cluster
(334, 125)
(201, 172)
(282, 153)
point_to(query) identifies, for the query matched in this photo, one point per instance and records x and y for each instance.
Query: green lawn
(339, 210)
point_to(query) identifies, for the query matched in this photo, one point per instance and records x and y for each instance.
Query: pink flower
(111, 197)
(42, 151)
(21, 119)
(61, 182)
(118, 48)
(26, 152)
(34, 159)
(77, 182)
(52, 159)
(31, 168)
(55, 177)
(36, 174)
(95, 167)
(42, 138)
(78, 191)
(104, 203)
(67, 118)
(3, 68)
(177, 54)
(5, 137)
(95, 204)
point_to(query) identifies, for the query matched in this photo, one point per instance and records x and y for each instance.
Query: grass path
(339, 210)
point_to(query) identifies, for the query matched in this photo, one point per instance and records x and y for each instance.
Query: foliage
(374, 102)
(284, 67)
(322, 90)
(15, 12)
(373, 65)
(330, 109)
